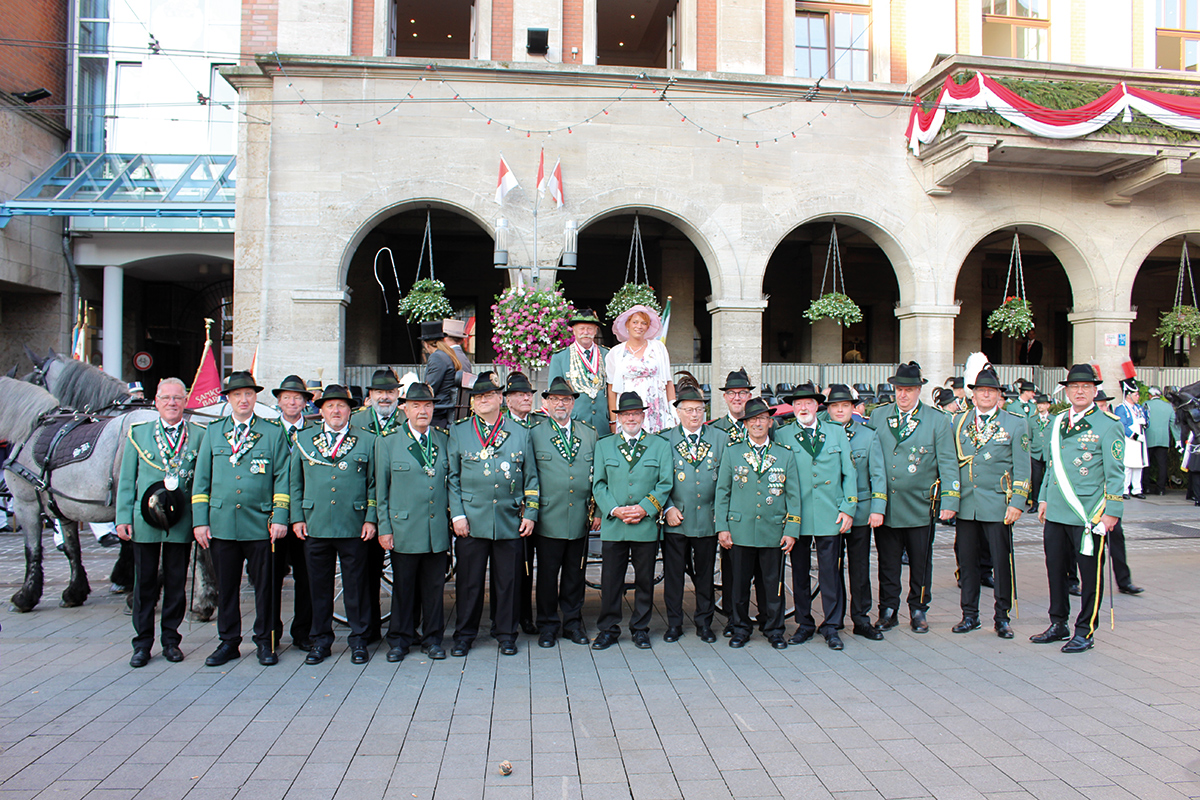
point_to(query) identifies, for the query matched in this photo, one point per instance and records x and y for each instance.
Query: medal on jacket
(486, 451)
(426, 451)
(240, 444)
(171, 453)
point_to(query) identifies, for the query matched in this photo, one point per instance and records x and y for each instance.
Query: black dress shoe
(706, 635)
(317, 654)
(434, 651)
(728, 632)
(641, 640)
(578, 636)
(1057, 632)
(1129, 588)
(172, 653)
(986, 580)
(1003, 629)
(141, 657)
(529, 627)
(547, 639)
(359, 655)
(917, 621)
(302, 644)
(224, 653)
(834, 641)
(397, 654)
(868, 632)
(887, 619)
(266, 656)
(801, 636)
(967, 625)
(460, 649)
(673, 633)
(109, 540)
(777, 641)
(738, 640)
(1073, 589)
(1139, 496)
(508, 648)
(605, 640)
(1078, 644)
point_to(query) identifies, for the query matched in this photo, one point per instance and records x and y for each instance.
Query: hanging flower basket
(1179, 321)
(1014, 317)
(529, 324)
(630, 295)
(425, 301)
(835, 306)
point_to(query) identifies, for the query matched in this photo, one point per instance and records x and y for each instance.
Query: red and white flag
(555, 183)
(507, 181)
(541, 176)
(206, 386)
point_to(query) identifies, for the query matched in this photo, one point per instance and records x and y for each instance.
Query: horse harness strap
(48, 463)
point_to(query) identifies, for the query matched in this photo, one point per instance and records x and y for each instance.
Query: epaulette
(143, 422)
(442, 430)
(780, 444)
(274, 422)
(1113, 416)
(584, 423)
(461, 421)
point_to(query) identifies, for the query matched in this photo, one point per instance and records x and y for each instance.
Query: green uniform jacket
(1021, 408)
(531, 419)
(625, 478)
(694, 487)
(333, 496)
(366, 419)
(592, 410)
(828, 480)
(734, 432)
(993, 465)
(564, 479)
(1161, 424)
(240, 499)
(915, 459)
(1093, 455)
(758, 508)
(1039, 435)
(143, 465)
(414, 506)
(867, 455)
(493, 488)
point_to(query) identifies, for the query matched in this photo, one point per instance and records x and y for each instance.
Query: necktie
(421, 440)
(241, 429)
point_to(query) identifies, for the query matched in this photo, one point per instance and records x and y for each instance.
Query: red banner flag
(206, 387)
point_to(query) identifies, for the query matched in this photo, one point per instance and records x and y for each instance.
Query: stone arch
(1139, 251)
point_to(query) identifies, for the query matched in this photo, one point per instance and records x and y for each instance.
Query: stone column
(1098, 338)
(927, 337)
(737, 343)
(678, 269)
(968, 328)
(250, 222)
(112, 346)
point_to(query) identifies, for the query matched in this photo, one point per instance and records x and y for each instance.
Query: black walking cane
(934, 507)
(274, 590)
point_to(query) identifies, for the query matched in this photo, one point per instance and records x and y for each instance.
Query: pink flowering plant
(529, 324)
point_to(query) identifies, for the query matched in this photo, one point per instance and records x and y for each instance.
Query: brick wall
(260, 24)
(24, 67)
(572, 31)
(774, 36)
(706, 35)
(899, 39)
(362, 32)
(502, 30)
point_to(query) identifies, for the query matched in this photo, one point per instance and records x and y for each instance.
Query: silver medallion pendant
(171, 482)
(912, 468)
(342, 466)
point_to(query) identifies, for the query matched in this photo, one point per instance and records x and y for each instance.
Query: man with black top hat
(993, 456)
(631, 485)
(412, 485)
(866, 454)
(565, 449)
(494, 505)
(757, 510)
(240, 500)
(293, 398)
(581, 364)
(1039, 428)
(736, 391)
(153, 510)
(1080, 503)
(690, 535)
(333, 486)
(828, 499)
(518, 407)
(918, 450)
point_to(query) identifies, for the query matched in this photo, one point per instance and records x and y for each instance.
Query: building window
(1017, 29)
(432, 28)
(1178, 41)
(92, 83)
(833, 40)
(636, 34)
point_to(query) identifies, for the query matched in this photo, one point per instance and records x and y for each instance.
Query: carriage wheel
(592, 569)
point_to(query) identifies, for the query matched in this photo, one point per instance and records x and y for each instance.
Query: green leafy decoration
(1014, 318)
(630, 295)
(425, 301)
(835, 306)
(1179, 321)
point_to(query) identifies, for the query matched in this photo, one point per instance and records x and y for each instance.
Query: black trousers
(560, 567)
(374, 577)
(418, 583)
(289, 554)
(322, 554)
(1116, 551)
(763, 565)
(1158, 459)
(524, 587)
(972, 537)
(890, 543)
(471, 578)
(146, 582)
(727, 579)
(228, 557)
(614, 561)
(1060, 542)
(1194, 485)
(1037, 471)
(679, 553)
(829, 581)
(858, 568)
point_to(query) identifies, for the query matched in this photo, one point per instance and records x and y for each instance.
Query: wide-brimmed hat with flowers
(621, 325)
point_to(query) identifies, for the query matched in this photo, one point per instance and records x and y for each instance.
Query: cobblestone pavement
(937, 715)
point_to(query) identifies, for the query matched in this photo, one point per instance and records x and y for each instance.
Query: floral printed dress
(648, 375)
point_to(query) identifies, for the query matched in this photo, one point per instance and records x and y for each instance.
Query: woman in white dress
(640, 363)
